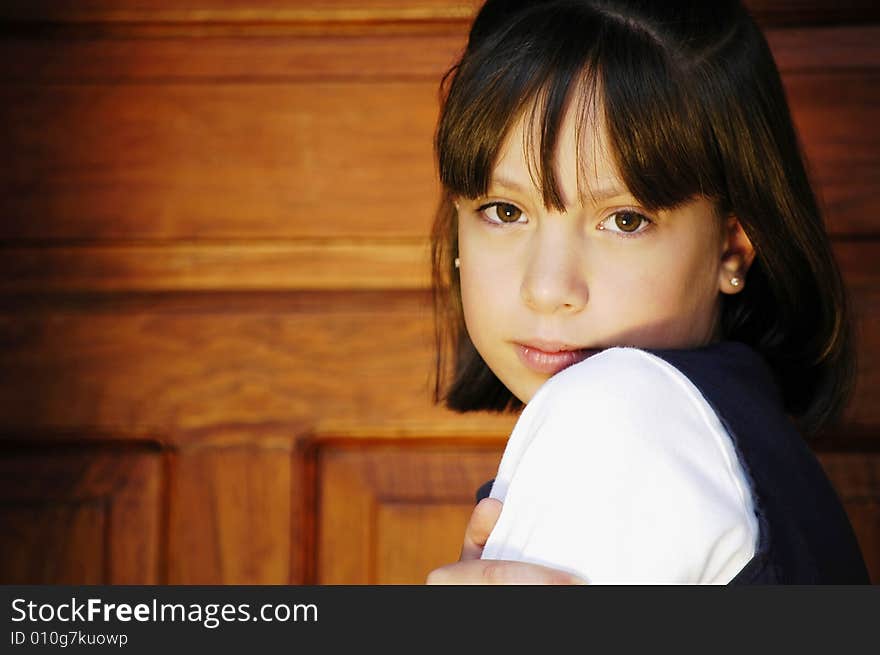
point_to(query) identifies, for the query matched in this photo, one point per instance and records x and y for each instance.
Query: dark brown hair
(693, 105)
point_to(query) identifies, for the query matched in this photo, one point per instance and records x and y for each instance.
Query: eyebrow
(598, 195)
(506, 183)
(606, 193)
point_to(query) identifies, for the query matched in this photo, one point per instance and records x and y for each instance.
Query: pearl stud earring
(457, 262)
(735, 281)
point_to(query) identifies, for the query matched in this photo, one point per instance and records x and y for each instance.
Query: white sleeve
(619, 471)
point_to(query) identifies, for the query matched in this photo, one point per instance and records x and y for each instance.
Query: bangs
(609, 73)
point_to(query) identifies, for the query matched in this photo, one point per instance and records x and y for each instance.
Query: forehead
(583, 161)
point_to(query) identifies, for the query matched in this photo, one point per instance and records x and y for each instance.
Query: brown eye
(628, 221)
(507, 213)
(501, 213)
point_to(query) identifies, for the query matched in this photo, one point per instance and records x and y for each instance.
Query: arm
(618, 471)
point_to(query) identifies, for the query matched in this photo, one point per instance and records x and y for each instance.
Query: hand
(470, 569)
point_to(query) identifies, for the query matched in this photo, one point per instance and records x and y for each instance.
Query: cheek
(486, 280)
(484, 293)
(470, 305)
(663, 286)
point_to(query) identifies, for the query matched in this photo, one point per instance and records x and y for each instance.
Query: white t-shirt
(620, 472)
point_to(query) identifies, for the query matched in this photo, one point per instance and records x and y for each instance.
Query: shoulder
(636, 394)
(626, 447)
(610, 406)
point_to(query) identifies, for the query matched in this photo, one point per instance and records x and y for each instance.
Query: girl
(628, 244)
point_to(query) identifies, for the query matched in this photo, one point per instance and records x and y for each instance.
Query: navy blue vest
(804, 534)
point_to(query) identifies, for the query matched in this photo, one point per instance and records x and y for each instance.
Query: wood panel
(290, 153)
(862, 278)
(769, 12)
(844, 162)
(359, 358)
(813, 12)
(239, 10)
(217, 161)
(80, 517)
(403, 529)
(231, 508)
(212, 266)
(856, 477)
(221, 504)
(233, 59)
(825, 49)
(326, 57)
(213, 229)
(389, 514)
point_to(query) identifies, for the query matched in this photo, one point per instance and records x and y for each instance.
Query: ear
(737, 255)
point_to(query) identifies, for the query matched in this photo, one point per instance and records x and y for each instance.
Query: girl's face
(542, 289)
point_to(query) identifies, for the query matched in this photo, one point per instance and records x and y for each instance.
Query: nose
(554, 280)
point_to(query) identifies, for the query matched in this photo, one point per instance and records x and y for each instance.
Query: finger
(500, 572)
(482, 521)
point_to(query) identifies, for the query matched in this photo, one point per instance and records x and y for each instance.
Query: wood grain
(856, 477)
(80, 517)
(402, 531)
(844, 160)
(825, 49)
(327, 57)
(300, 58)
(229, 516)
(769, 12)
(351, 357)
(240, 11)
(232, 266)
(389, 515)
(287, 152)
(226, 161)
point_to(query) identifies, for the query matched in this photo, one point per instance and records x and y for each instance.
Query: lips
(549, 357)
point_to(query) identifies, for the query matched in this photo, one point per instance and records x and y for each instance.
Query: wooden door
(214, 220)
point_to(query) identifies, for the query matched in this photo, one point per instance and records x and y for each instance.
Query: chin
(525, 392)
